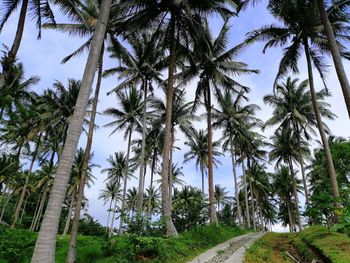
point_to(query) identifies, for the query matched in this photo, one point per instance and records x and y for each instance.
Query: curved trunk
(69, 216)
(295, 193)
(23, 209)
(24, 190)
(239, 212)
(213, 218)
(170, 228)
(45, 246)
(139, 204)
(339, 67)
(125, 182)
(330, 165)
(246, 195)
(84, 168)
(4, 206)
(15, 46)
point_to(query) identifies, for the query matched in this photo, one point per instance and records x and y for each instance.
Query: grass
(312, 243)
(16, 245)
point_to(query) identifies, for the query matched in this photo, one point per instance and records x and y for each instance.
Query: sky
(42, 58)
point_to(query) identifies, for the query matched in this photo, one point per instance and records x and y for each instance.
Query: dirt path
(231, 251)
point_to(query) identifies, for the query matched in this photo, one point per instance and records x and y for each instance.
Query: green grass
(16, 245)
(334, 246)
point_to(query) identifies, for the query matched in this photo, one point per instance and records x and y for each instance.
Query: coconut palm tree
(180, 19)
(214, 66)
(229, 115)
(198, 144)
(293, 108)
(131, 199)
(45, 245)
(142, 66)
(300, 31)
(221, 197)
(126, 118)
(39, 10)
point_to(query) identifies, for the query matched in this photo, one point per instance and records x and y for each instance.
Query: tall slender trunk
(251, 194)
(109, 214)
(171, 169)
(85, 165)
(202, 174)
(246, 195)
(44, 250)
(125, 182)
(239, 212)
(15, 46)
(139, 203)
(23, 210)
(295, 193)
(41, 207)
(24, 190)
(213, 218)
(302, 168)
(339, 67)
(69, 216)
(331, 171)
(170, 228)
(149, 206)
(113, 217)
(290, 217)
(35, 212)
(4, 206)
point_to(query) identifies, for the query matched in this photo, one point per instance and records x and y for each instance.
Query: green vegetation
(313, 243)
(16, 245)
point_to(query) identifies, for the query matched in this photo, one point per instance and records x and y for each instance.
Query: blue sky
(42, 58)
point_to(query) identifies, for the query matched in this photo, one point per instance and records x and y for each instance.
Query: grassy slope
(272, 247)
(17, 246)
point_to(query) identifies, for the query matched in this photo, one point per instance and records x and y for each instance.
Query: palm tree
(198, 144)
(131, 199)
(178, 19)
(300, 23)
(214, 66)
(293, 108)
(127, 118)
(112, 192)
(221, 197)
(230, 115)
(39, 10)
(141, 66)
(45, 245)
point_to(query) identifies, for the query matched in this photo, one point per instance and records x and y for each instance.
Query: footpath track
(231, 251)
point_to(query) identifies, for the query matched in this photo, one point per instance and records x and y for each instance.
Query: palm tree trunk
(125, 182)
(251, 194)
(246, 195)
(339, 67)
(213, 218)
(41, 208)
(35, 212)
(202, 174)
(113, 217)
(171, 169)
(69, 216)
(239, 212)
(302, 168)
(139, 203)
(149, 206)
(24, 190)
(23, 210)
(109, 214)
(44, 250)
(4, 206)
(330, 165)
(290, 217)
(170, 228)
(15, 46)
(295, 193)
(85, 165)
